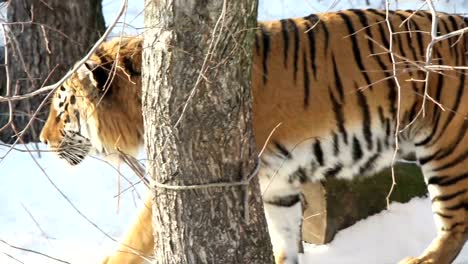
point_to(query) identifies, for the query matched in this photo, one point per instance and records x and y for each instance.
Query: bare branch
(77, 65)
(33, 251)
(398, 86)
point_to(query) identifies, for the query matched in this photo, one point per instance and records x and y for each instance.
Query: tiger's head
(99, 107)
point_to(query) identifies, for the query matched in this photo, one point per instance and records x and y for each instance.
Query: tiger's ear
(96, 73)
(86, 70)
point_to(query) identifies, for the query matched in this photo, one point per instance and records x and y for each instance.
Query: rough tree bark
(44, 38)
(208, 142)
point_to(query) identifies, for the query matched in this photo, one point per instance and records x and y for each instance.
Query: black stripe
(455, 27)
(310, 36)
(306, 82)
(427, 15)
(296, 45)
(356, 149)
(446, 180)
(326, 37)
(454, 109)
(392, 98)
(379, 145)
(375, 12)
(454, 24)
(459, 206)
(339, 117)
(424, 160)
(336, 144)
(443, 215)
(454, 144)
(285, 201)
(392, 93)
(434, 129)
(355, 46)
(257, 45)
(413, 112)
(284, 30)
(398, 37)
(388, 131)
(338, 84)
(448, 229)
(366, 118)
(318, 152)
(447, 197)
(454, 162)
(440, 82)
(381, 115)
(417, 13)
(299, 175)
(283, 150)
(419, 38)
(408, 37)
(383, 36)
(444, 29)
(266, 52)
(332, 172)
(369, 163)
(365, 23)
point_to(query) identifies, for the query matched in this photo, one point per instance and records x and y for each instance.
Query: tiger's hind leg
(445, 167)
(283, 211)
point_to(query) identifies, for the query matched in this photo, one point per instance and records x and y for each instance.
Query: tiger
(330, 100)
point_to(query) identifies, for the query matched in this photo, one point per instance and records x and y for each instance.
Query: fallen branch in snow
(34, 251)
(13, 258)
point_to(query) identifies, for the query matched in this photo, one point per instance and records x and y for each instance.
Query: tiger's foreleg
(443, 249)
(446, 172)
(138, 244)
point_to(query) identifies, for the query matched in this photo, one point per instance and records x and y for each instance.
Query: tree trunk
(200, 132)
(44, 38)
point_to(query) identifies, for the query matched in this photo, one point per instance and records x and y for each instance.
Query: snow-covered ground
(70, 213)
(34, 215)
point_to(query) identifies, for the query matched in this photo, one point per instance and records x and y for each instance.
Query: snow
(35, 215)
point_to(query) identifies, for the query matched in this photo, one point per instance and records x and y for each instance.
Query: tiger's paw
(282, 258)
(413, 260)
(106, 260)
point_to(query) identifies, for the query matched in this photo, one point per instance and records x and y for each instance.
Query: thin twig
(77, 65)
(398, 86)
(13, 258)
(37, 224)
(33, 251)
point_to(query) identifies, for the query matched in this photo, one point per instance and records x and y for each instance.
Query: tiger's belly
(326, 157)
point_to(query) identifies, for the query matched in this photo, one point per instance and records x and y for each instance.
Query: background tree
(44, 38)
(196, 103)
